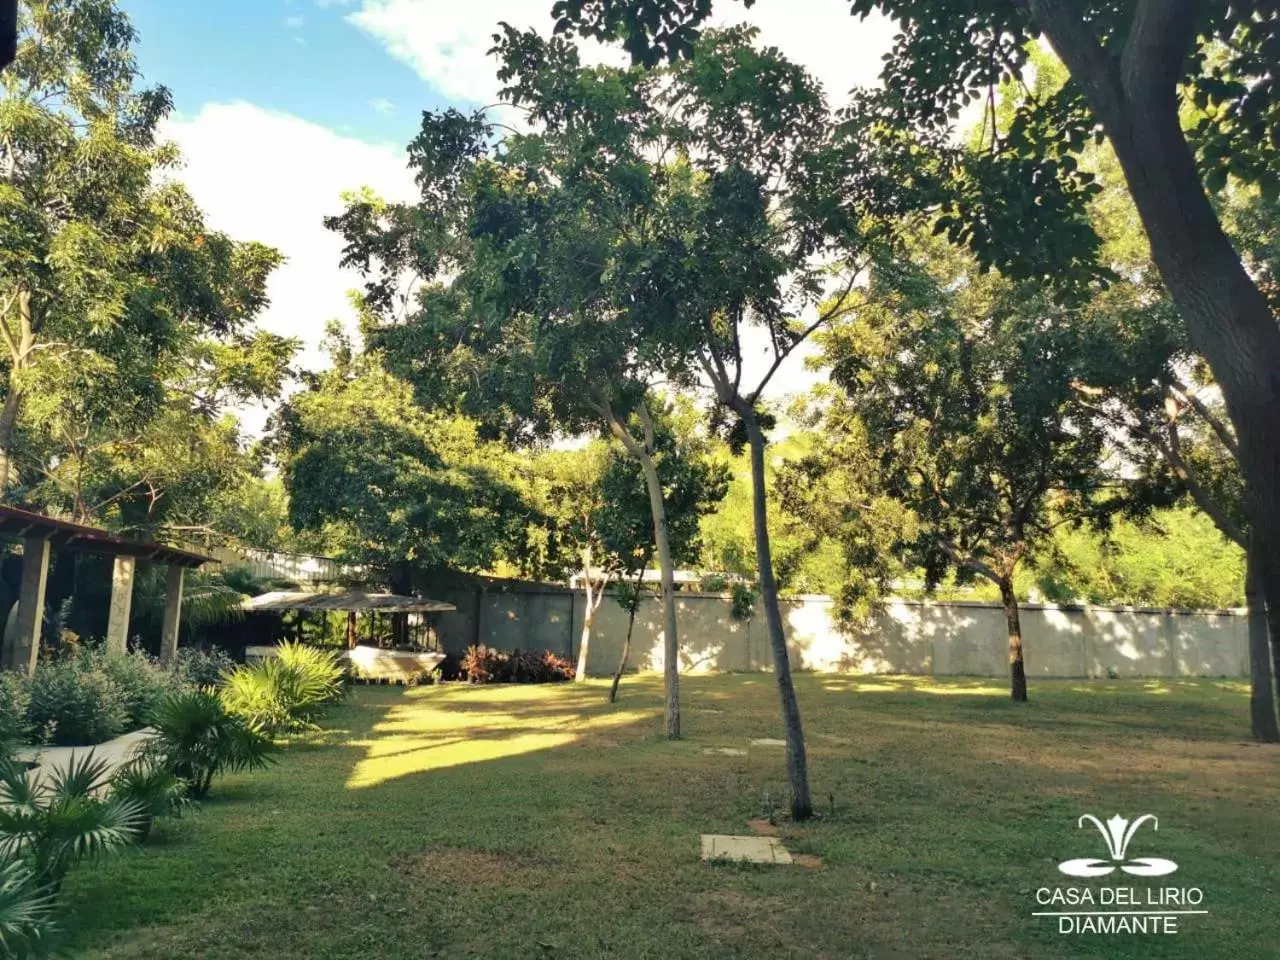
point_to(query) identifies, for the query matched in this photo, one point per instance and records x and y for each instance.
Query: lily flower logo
(1116, 833)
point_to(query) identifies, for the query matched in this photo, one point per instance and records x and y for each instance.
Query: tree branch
(1215, 422)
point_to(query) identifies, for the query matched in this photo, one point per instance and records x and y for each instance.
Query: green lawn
(543, 822)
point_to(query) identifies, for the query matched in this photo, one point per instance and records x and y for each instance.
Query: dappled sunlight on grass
(942, 687)
(436, 728)
(460, 821)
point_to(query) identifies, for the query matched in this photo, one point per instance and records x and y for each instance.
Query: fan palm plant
(285, 694)
(196, 738)
(54, 823)
(153, 786)
(26, 910)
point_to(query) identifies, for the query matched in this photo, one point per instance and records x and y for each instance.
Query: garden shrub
(13, 710)
(74, 702)
(285, 693)
(54, 823)
(142, 682)
(153, 787)
(194, 667)
(480, 664)
(197, 739)
(27, 910)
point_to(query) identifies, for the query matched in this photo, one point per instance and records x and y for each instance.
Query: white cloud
(842, 51)
(272, 177)
(382, 105)
(295, 21)
(446, 43)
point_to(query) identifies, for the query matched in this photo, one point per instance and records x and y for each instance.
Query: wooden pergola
(40, 535)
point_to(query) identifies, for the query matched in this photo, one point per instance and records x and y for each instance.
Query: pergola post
(172, 612)
(121, 604)
(23, 648)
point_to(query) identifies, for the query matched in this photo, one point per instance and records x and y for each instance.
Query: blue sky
(298, 57)
(281, 105)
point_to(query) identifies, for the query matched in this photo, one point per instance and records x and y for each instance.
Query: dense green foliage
(54, 823)
(89, 697)
(26, 911)
(285, 693)
(380, 478)
(197, 738)
(125, 323)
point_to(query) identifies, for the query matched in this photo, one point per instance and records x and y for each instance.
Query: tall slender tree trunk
(797, 762)
(8, 423)
(1017, 667)
(1135, 96)
(593, 598)
(670, 637)
(1262, 704)
(671, 640)
(626, 644)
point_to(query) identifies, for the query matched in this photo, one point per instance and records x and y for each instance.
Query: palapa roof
(356, 601)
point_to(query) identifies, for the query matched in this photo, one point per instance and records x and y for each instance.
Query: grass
(543, 822)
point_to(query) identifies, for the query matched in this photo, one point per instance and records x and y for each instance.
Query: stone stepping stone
(768, 742)
(726, 751)
(716, 846)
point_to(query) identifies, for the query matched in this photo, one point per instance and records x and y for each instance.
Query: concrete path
(717, 846)
(115, 752)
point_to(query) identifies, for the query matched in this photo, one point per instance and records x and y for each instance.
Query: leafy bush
(450, 668)
(52, 824)
(74, 702)
(194, 667)
(14, 699)
(285, 693)
(153, 787)
(481, 665)
(26, 910)
(484, 665)
(143, 684)
(196, 739)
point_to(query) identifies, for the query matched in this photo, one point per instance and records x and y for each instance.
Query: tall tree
(381, 480)
(960, 384)
(107, 271)
(521, 251)
(1021, 202)
(747, 246)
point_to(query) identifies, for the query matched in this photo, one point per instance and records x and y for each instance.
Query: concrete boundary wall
(914, 637)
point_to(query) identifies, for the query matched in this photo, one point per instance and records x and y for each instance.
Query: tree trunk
(588, 614)
(1271, 597)
(1017, 668)
(626, 644)
(797, 763)
(1262, 705)
(8, 422)
(671, 640)
(1135, 97)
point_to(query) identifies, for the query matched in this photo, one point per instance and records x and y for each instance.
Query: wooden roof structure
(17, 524)
(346, 601)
